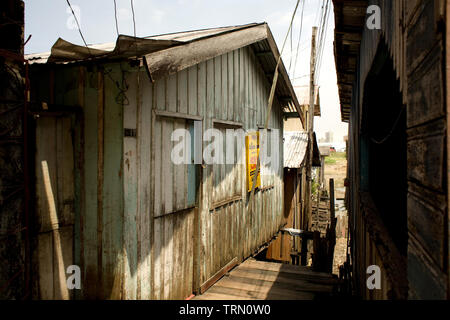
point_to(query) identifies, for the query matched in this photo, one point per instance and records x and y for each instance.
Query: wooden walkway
(257, 280)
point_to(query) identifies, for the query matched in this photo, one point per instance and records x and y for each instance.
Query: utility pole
(310, 128)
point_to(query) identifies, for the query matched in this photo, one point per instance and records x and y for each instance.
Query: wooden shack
(287, 248)
(394, 95)
(108, 197)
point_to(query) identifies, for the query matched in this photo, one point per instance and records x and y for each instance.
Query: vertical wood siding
(54, 165)
(417, 53)
(231, 87)
(141, 237)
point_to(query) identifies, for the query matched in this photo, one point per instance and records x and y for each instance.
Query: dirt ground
(339, 254)
(336, 168)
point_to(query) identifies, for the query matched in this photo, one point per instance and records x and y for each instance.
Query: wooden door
(54, 168)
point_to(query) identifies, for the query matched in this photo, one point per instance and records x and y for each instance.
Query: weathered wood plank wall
(96, 138)
(142, 230)
(413, 34)
(55, 206)
(229, 91)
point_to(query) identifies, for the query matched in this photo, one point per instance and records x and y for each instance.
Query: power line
(299, 38)
(301, 77)
(391, 132)
(319, 36)
(317, 14)
(290, 60)
(78, 25)
(134, 29)
(134, 21)
(290, 28)
(324, 30)
(323, 26)
(115, 17)
(269, 105)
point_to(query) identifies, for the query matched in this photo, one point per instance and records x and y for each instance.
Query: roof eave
(172, 60)
(349, 20)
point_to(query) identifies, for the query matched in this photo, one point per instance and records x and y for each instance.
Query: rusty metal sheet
(295, 146)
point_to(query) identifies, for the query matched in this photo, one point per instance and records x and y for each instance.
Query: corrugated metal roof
(170, 53)
(64, 51)
(295, 146)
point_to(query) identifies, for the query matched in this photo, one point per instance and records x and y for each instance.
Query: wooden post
(310, 128)
(332, 231)
(332, 204)
(447, 70)
(304, 252)
(322, 171)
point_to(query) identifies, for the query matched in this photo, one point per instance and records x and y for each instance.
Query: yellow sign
(252, 151)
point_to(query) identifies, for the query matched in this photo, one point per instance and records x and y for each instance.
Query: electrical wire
(270, 103)
(317, 14)
(301, 77)
(299, 39)
(134, 29)
(78, 25)
(325, 32)
(322, 38)
(115, 17)
(290, 58)
(386, 138)
(134, 21)
(121, 97)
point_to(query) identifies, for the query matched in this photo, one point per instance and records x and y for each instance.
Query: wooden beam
(263, 53)
(291, 115)
(225, 202)
(178, 115)
(206, 285)
(226, 123)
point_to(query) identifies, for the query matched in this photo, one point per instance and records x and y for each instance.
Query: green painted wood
(144, 219)
(89, 245)
(113, 206)
(130, 185)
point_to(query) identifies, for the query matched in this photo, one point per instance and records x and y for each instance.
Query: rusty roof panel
(170, 53)
(295, 146)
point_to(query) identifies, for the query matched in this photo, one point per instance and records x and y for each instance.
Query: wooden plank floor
(257, 280)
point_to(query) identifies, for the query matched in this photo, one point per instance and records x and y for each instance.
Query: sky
(48, 20)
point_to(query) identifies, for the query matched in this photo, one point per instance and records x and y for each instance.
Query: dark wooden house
(393, 88)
